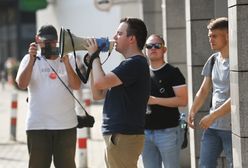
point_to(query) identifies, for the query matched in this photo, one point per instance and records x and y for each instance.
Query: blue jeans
(162, 146)
(213, 142)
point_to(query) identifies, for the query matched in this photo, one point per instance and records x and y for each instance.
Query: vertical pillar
(13, 116)
(198, 13)
(174, 32)
(238, 40)
(153, 16)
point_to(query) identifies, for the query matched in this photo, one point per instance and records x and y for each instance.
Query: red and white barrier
(82, 147)
(83, 133)
(13, 116)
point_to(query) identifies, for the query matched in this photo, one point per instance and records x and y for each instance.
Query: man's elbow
(98, 85)
(97, 94)
(21, 85)
(97, 97)
(76, 87)
(184, 102)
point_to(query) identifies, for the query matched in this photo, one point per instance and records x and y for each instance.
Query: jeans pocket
(113, 139)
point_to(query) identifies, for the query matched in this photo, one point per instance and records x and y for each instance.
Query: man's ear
(165, 49)
(132, 39)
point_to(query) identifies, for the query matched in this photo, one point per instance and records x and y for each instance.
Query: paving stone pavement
(13, 154)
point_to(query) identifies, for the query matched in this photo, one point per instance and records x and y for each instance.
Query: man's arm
(73, 79)
(224, 109)
(23, 78)
(180, 99)
(199, 100)
(96, 93)
(100, 82)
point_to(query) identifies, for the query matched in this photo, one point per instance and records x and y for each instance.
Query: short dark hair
(48, 32)
(137, 28)
(158, 36)
(219, 23)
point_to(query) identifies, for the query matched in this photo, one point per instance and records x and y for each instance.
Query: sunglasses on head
(155, 45)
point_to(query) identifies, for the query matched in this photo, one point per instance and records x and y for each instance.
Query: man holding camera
(126, 92)
(51, 120)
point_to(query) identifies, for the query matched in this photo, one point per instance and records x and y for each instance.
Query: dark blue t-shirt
(125, 105)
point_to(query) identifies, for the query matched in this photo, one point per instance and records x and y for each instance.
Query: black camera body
(85, 121)
(48, 50)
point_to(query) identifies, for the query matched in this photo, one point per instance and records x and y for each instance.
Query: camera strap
(66, 86)
(83, 77)
(211, 69)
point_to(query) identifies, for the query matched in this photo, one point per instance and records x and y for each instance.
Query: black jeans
(43, 145)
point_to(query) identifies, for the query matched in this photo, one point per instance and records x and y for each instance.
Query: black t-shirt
(162, 81)
(125, 105)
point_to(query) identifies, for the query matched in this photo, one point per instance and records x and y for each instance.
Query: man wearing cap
(51, 119)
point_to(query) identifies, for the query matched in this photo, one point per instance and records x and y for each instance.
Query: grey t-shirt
(221, 88)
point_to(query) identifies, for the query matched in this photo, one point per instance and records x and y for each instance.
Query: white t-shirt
(50, 104)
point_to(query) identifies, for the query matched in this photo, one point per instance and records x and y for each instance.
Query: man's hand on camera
(65, 59)
(32, 50)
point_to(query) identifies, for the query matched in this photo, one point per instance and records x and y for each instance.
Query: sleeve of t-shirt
(177, 77)
(22, 65)
(128, 71)
(206, 71)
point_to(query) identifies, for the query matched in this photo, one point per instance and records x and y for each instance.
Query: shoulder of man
(213, 57)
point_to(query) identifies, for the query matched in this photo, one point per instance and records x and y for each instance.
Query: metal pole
(13, 116)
